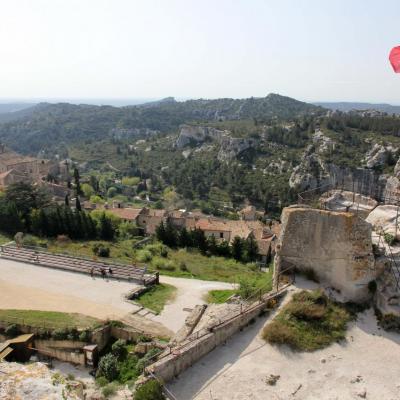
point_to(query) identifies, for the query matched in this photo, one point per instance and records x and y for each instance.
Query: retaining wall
(184, 357)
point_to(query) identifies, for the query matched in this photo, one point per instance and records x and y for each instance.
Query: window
(221, 235)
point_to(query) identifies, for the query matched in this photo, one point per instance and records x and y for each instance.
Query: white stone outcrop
(384, 218)
(341, 200)
(337, 246)
(229, 147)
(379, 155)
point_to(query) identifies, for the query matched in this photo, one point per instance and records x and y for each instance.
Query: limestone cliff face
(232, 147)
(379, 155)
(229, 147)
(314, 171)
(189, 134)
(337, 246)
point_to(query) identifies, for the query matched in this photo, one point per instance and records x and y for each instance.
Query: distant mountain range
(13, 107)
(348, 106)
(47, 125)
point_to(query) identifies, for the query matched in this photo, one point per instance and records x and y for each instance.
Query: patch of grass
(167, 261)
(219, 296)
(310, 321)
(4, 239)
(48, 319)
(156, 297)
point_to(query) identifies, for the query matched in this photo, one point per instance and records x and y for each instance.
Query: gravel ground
(190, 293)
(25, 286)
(365, 366)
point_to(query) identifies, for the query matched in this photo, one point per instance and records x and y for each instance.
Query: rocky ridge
(229, 147)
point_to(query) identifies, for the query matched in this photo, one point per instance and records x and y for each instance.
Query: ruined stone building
(18, 168)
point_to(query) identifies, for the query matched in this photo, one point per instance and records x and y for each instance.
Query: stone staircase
(42, 258)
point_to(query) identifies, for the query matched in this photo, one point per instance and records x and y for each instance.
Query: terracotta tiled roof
(212, 225)
(11, 158)
(129, 214)
(152, 212)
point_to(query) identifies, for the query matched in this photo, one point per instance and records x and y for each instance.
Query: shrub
(12, 330)
(183, 267)
(108, 367)
(101, 381)
(30, 240)
(128, 369)
(110, 389)
(85, 336)
(151, 390)
(71, 377)
(310, 321)
(163, 264)
(389, 238)
(104, 251)
(119, 349)
(100, 250)
(390, 322)
(247, 287)
(144, 255)
(60, 334)
(157, 249)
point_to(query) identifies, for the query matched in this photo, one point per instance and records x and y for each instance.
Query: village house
(221, 229)
(16, 168)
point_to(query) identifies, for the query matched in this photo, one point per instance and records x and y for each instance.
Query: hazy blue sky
(309, 49)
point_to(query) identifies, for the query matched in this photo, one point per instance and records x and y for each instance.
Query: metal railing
(245, 305)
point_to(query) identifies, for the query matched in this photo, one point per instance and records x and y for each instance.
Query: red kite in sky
(394, 58)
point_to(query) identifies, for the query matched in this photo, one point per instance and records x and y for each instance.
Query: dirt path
(29, 287)
(26, 286)
(190, 293)
(366, 364)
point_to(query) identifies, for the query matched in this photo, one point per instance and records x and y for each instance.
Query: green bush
(151, 390)
(108, 367)
(60, 334)
(30, 240)
(104, 251)
(389, 238)
(85, 336)
(310, 321)
(110, 389)
(12, 330)
(128, 369)
(163, 264)
(119, 349)
(100, 250)
(144, 255)
(157, 249)
(101, 381)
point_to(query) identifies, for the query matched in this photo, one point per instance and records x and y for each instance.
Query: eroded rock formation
(337, 246)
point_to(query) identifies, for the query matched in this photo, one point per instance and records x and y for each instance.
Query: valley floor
(367, 364)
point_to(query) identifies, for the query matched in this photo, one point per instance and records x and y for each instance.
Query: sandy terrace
(25, 286)
(367, 364)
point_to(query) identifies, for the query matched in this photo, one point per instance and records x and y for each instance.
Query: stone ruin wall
(337, 246)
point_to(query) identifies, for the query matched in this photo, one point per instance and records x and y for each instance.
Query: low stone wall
(63, 350)
(183, 357)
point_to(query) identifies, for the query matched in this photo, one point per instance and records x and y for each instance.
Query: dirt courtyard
(365, 366)
(25, 286)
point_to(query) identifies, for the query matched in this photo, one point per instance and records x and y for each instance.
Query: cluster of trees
(244, 250)
(385, 125)
(27, 208)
